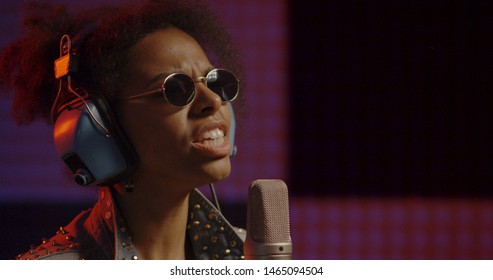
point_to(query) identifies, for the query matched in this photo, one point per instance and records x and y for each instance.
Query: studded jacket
(100, 233)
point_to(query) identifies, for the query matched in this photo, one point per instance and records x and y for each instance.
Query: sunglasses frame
(202, 79)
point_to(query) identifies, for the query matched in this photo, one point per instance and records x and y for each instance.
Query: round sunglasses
(179, 89)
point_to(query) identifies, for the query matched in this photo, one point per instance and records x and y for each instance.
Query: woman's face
(186, 146)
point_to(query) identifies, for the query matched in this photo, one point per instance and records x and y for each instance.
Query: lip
(212, 151)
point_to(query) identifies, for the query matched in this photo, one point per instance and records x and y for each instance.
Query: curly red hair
(26, 64)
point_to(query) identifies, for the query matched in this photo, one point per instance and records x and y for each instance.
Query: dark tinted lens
(224, 83)
(179, 89)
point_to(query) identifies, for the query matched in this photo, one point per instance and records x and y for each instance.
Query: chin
(218, 171)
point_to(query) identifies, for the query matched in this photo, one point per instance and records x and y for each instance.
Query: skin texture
(167, 140)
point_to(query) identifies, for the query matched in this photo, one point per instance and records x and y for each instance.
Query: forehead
(169, 49)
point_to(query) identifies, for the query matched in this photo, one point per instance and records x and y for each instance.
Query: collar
(209, 234)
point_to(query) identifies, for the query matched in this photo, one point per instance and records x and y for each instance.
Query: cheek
(153, 132)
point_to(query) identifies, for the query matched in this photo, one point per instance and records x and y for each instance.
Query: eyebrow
(158, 77)
(162, 76)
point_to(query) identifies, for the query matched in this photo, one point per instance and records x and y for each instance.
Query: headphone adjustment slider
(66, 65)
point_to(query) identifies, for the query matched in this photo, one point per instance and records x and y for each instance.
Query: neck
(157, 219)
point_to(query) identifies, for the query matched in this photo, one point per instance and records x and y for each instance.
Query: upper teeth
(213, 134)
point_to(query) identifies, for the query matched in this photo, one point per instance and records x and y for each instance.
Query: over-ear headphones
(90, 142)
(86, 133)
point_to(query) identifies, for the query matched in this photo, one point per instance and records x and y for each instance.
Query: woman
(169, 99)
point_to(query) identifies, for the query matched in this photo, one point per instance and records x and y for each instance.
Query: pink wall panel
(392, 228)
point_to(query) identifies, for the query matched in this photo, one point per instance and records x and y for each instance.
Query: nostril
(207, 110)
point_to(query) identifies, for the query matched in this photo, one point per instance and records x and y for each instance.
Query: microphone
(268, 236)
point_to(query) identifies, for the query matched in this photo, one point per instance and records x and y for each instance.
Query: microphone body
(268, 234)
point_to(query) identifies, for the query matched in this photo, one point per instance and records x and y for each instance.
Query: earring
(129, 186)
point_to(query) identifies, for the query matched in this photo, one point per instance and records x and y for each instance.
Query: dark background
(391, 98)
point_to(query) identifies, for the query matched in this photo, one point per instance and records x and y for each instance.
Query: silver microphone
(268, 235)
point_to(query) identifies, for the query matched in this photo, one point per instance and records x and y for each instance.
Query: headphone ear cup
(92, 145)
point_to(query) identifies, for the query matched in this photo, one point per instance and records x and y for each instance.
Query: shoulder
(61, 246)
(71, 242)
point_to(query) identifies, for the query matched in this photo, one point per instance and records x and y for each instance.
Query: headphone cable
(214, 196)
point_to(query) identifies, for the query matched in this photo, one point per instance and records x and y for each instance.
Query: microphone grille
(269, 208)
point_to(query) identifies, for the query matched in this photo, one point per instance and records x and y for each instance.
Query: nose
(206, 101)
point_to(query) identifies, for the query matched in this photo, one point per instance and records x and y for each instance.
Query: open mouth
(212, 138)
(213, 141)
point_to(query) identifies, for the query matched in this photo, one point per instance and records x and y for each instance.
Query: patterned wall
(392, 228)
(390, 118)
